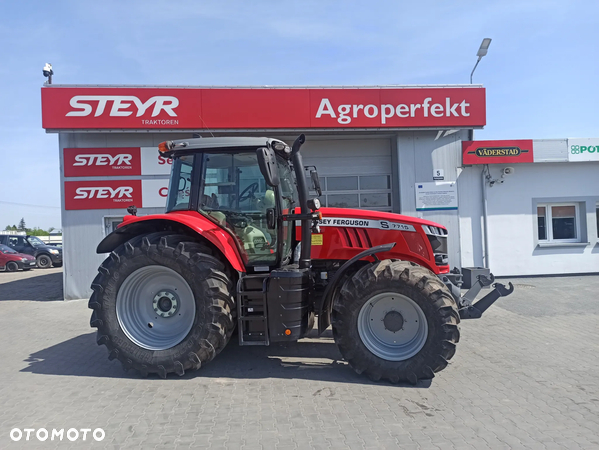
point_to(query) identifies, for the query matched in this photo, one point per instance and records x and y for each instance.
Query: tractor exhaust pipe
(298, 165)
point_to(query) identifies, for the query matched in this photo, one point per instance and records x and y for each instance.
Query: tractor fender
(193, 225)
(326, 304)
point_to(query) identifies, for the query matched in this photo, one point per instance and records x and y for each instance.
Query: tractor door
(234, 194)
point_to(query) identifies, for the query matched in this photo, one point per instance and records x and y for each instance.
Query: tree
(51, 229)
(22, 226)
(37, 232)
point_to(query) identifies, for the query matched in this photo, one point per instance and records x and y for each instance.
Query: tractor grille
(437, 237)
(355, 237)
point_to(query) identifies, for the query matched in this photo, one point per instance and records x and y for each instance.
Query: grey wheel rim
(155, 307)
(44, 261)
(392, 326)
(12, 266)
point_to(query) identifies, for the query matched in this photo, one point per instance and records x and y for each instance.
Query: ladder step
(251, 310)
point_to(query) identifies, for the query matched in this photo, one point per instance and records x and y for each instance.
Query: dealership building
(519, 207)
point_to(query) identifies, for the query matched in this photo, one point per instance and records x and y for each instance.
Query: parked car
(11, 260)
(45, 255)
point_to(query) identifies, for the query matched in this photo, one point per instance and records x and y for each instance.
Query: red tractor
(242, 245)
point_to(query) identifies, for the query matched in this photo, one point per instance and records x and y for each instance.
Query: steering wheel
(248, 192)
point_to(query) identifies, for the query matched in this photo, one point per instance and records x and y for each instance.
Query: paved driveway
(525, 376)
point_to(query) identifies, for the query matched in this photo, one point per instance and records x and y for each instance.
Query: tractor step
(252, 318)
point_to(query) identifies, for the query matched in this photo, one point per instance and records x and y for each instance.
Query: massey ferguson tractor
(243, 246)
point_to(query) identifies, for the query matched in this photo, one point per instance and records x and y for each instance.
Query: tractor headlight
(314, 204)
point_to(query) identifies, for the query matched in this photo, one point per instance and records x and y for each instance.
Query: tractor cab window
(234, 194)
(180, 183)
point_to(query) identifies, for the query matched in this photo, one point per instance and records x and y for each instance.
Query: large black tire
(417, 284)
(12, 266)
(211, 287)
(44, 262)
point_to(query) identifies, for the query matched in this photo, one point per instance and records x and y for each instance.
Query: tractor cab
(229, 187)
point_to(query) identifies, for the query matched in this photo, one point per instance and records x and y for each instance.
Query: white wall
(419, 152)
(471, 216)
(512, 223)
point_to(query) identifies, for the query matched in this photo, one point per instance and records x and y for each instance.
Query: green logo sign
(581, 149)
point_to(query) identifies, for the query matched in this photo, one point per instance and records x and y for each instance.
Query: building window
(558, 222)
(362, 192)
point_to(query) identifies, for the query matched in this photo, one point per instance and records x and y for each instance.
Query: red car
(11, 261)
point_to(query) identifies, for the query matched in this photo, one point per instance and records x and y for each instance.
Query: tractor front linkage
(481, 278)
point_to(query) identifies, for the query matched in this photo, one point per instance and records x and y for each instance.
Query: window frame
(549, 223)
(359, 192)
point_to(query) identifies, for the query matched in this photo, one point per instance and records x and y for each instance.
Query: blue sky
(540, 72)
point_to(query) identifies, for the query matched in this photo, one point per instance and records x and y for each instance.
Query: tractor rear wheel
(162, 303)
(397, 321)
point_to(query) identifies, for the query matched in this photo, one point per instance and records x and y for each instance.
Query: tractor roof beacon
(242, 245)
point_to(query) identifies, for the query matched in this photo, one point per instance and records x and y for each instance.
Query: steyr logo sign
(585, 149)
(121, 105)
(116, 161)
(102, 194)
(121, 193)
(94, 162)
(115, 194)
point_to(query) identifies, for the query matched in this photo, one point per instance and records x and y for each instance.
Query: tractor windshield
(234, 194)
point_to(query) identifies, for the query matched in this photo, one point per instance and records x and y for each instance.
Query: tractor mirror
(268, 166)
(316, 181)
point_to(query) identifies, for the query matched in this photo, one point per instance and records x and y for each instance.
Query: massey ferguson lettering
(121, 161)
(121, 105)
(345, 113)
(119, 194)
(364, 223)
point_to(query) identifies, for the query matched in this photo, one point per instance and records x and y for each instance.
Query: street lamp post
(482, 51)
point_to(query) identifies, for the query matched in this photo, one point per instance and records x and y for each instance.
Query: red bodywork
(341, 242)
(344, 234)
(201, 225)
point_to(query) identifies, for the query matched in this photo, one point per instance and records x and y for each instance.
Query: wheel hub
(393, 321)
(165, 304)
(392, 326)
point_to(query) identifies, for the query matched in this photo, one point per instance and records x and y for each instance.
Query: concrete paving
(524, 376)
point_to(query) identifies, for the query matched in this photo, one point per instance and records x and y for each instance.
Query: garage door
(353, 173)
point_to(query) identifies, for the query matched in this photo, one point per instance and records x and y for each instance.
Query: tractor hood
(347, 217)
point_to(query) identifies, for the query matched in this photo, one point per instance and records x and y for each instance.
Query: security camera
(47, 70)
(507, 171)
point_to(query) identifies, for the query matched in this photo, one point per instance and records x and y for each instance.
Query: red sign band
(247, 108)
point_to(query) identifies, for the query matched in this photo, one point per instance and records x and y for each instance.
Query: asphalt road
(524, 376)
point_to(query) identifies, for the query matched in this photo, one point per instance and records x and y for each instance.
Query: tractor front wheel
(162, 303)
(397, 321)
